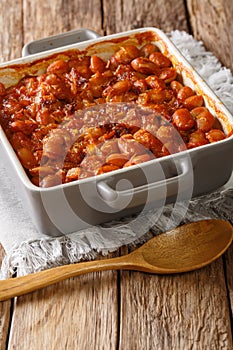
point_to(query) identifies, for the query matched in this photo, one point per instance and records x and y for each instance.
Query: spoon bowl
(188, 247)
(182, 249)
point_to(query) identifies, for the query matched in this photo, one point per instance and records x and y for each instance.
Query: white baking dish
(68, 207)
(59, 40)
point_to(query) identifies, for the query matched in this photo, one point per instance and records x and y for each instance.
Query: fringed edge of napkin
(39, 254)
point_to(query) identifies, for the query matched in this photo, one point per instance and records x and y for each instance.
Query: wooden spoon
(182, 249)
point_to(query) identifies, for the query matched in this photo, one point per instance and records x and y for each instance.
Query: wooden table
(122, 310)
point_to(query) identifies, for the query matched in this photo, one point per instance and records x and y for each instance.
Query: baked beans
(86, 116)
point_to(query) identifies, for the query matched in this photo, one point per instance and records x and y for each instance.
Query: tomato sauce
(85, 116)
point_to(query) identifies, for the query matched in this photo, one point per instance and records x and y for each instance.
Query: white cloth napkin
(29, 251)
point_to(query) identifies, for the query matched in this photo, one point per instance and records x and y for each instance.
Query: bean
(117, 159)
(138, 159)
(204, 118)
(107, 168)
(139, 86)
(196, 139)
(160, 60)
(146, 139)
(129, 146)
(184, 93)
(147, 49)
(91, 163)
(144, 65)
(111, 146)
(168, 75)
(26, 157)
(120, 87)
(55, 146)
(55, 87)
(167, 133)
(155, 83)
(215, 135)
(150, 123)
(193, 101)
(73, 174)
(58, 67)
(42, 171)
(152, 96)
(183, 119)
(52, 180)
(97, 65)
(176, 86)
(126, 54)
(172, 147)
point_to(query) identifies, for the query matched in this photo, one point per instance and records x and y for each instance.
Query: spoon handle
(21, 285)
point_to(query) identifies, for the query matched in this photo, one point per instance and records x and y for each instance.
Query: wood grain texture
(80, 313)
(125, 15)
(204, 241)
(229, 276)
(4, 313)
(11, 41)
(188, 311)
(45, 18)
(11, 30)
(77, 313)
(212, 23)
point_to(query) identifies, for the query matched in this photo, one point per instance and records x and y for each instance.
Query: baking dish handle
(59, 40)
(181, 183)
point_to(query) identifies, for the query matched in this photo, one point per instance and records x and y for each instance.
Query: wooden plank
(126, 15)
(229, 276)
(78, 313)
(187, 311)
(10, 29)
(4, 313)
(212, 23)
(161, 312)
(10, 47)
(54, 17)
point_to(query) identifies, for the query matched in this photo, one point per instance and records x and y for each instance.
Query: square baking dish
(68, 207)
